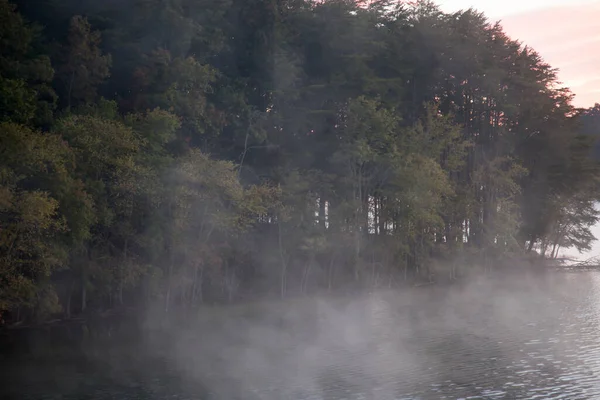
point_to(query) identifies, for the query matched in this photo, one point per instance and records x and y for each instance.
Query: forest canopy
(186, 151)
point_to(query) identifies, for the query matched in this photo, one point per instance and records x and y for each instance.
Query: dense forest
(191, 151)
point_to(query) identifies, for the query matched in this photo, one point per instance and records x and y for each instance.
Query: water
(520, 338)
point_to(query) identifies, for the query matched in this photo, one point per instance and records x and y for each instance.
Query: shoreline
(140, 312)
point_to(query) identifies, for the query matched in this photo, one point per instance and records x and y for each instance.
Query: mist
(382, 345)
(291, 199)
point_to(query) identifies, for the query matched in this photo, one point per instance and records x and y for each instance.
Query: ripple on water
(501, 344)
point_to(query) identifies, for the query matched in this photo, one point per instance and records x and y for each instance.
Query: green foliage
(180, 85)
(84, 67)
(25, 93)
(30, 216)
(210, 150)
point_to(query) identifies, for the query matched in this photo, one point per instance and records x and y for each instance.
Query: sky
(566, 33)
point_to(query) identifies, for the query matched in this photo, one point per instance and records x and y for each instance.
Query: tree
(182, 86)
(254, 148)
(84, 67)
(25, 93)
(104, 154)
(31, 218)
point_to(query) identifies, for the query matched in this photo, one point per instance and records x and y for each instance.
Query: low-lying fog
(505, 336)
(516, 336)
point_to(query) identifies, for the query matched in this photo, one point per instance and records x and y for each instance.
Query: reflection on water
(524, 339)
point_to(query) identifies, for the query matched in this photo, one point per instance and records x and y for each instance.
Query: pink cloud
(568, 38)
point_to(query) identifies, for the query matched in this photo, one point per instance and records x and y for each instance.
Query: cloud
(568, 38)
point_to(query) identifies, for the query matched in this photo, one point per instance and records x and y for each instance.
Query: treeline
(186, 151)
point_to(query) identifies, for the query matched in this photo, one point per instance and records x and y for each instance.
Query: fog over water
(510, 337)
(296, 200)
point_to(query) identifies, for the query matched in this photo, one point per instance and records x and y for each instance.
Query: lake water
(521, 337)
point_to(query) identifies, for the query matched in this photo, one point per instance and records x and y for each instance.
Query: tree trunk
(70, 90)
(356, 254)
(359, 212)
(543, 248)
(532, 241)
(245, 149)
(307, 268)
(283, 282)
(69, 297)
(168, 295)
(381, 220)
(194, 286)
(322, 218)
(553, 254)
(84, 265)
(121, 273)
(331, 271)
(83, 292)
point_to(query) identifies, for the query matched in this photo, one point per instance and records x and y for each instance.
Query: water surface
(518, 338)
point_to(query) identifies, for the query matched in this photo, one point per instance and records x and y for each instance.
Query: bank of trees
(189, 151)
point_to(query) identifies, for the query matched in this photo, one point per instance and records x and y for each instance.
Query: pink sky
(566, 33)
